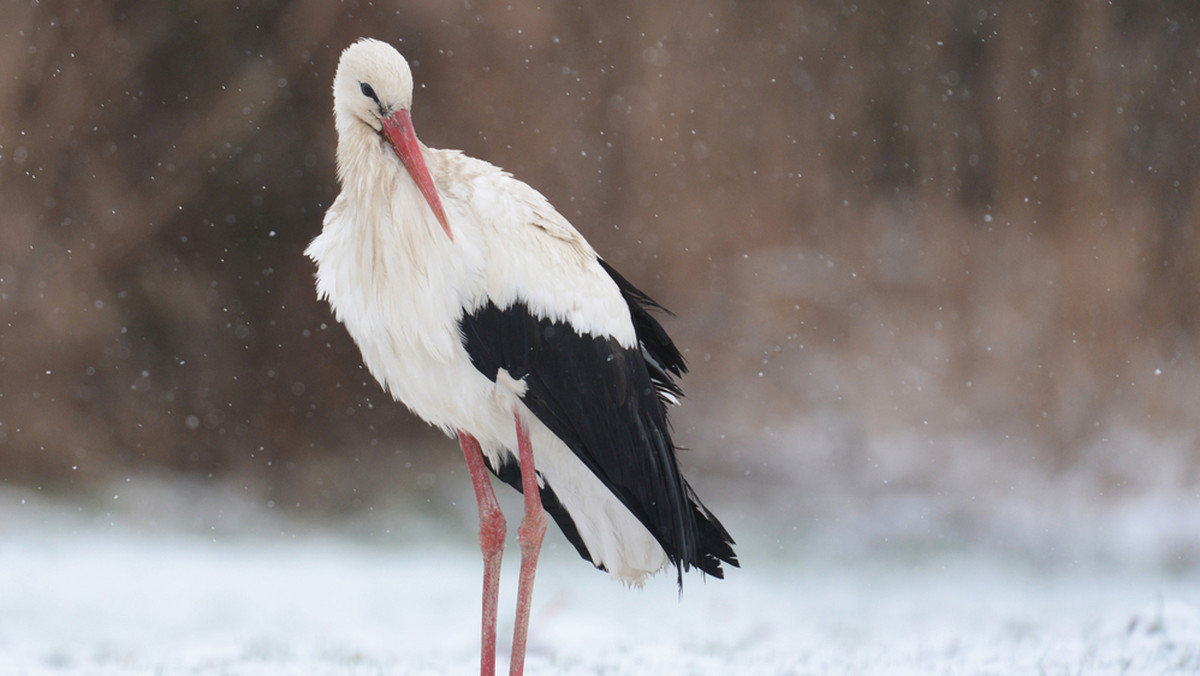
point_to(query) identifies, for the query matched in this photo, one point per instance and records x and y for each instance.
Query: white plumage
(404, 264)
(400, 286)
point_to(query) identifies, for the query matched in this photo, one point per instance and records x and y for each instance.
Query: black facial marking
(368, 91)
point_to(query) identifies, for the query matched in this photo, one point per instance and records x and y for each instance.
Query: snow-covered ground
(108, 596)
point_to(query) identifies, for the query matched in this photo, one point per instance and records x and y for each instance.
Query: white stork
(478, 306)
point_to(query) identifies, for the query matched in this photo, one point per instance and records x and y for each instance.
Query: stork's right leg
(491, 541)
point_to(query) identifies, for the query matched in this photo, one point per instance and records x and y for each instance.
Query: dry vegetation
(883, 226)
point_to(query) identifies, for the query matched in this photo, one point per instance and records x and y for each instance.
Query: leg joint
(492, 531)
(532, 530)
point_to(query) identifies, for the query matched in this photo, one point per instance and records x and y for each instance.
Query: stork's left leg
(529, 536)
(491, 543)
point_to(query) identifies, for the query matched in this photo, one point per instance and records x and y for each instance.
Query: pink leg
(491, 542)
(529, 535)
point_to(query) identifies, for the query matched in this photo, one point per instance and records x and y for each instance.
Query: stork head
(374, 87)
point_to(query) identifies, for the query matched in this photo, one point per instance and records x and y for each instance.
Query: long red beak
(399, 132)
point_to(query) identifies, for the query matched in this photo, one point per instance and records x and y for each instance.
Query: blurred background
(935, 266)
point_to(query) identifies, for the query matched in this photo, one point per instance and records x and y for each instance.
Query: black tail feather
(714, 545)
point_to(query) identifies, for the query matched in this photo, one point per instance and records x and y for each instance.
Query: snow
(106, 595)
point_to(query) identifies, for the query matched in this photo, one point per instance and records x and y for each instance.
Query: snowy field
(94, 594)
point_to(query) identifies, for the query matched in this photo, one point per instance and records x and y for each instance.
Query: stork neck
(360, 158)
(395, 234)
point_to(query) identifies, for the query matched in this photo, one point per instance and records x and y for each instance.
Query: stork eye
(367, 91)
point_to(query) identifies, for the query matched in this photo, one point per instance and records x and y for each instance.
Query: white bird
(478, 306)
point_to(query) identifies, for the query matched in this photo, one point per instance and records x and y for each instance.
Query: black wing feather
(604, 402)
(655, 341)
